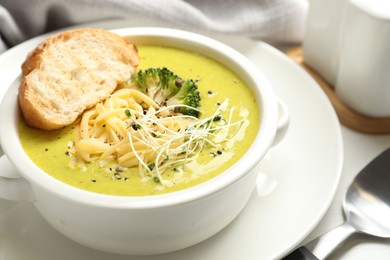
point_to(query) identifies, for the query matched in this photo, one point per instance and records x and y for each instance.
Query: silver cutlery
(366, 207)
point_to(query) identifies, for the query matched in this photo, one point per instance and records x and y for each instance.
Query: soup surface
(52, 151)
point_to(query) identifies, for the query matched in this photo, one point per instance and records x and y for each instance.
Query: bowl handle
(283, 121)
(12, 185)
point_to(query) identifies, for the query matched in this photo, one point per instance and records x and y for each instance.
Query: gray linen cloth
(276, 21)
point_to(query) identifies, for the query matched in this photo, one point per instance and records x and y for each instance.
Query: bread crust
(61, 79)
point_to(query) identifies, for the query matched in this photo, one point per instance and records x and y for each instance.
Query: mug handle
(12, 185)
(283, 122)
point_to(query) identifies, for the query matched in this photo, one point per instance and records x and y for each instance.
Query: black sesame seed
(217, 118)
(136, 127)
(119, 169)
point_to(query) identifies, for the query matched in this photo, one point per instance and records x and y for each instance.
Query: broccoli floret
(188, 96)
(168, 89)
(158, 84)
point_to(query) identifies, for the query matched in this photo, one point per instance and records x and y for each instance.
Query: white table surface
(359, 149)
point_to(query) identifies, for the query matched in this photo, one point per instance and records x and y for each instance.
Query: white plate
(298, 179)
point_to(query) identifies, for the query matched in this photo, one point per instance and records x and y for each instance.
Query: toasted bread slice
(71, 72)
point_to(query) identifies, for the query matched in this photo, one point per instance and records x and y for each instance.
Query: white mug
(348, 43)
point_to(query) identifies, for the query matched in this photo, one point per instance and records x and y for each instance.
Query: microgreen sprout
(173, 148)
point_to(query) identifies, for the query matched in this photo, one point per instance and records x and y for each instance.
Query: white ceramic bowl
(151, 224)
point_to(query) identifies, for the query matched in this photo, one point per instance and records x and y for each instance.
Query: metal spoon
(366, 207)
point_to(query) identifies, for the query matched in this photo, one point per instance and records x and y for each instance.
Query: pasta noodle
(132, 130)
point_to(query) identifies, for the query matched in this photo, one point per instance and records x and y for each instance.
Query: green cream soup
(52, 151)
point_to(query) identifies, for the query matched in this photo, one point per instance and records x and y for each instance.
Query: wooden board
(346, 115)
